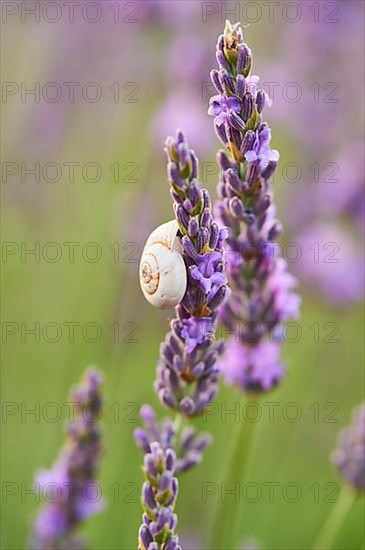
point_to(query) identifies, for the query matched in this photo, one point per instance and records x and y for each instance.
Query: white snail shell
(162, 271)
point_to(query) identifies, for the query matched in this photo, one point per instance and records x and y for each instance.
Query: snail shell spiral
(162, 270)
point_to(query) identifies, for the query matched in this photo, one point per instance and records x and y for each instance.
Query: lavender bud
(263, 204)
(148, 496)
(174, 175)
(141, 440)
(206, 199)
(253, 171)
(218, 298)
(188, 206)
(275, 231)
(221, 133)
(220, 43)
(149, 465)
(145, 537)
(206, 218)
(194, 165)
(240, 85)
(148, 415)
(236, 208)
(193, 227)
(223, 161)
(202, 238)
(175, 197)
(214, 236)
(182, 217)
(180, 137)
(214, 76)
(260, 100)
(269, 169)
(247, 142)
(247, 106)
(234, 137)
(165, 481)
(184, 160)
(187, 406)
(168, 398)
(250, 219)
(198, 370)
(222, 61)
(234, 181)
(236, 121)
(189, 248)
(242, 58)
(227, 82)
(178, 364)
(170, 460)
(194, 194)
(203, 441)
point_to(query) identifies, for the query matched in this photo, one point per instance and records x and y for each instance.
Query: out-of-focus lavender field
(90, 91)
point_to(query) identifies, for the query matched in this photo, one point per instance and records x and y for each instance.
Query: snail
(162, 270)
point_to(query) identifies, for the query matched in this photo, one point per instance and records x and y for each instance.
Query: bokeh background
(150, 62)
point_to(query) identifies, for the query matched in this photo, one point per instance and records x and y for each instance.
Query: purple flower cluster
(66, 483)
(189, 445)
(331, 213)
(159, 494)
(187, 376)
(262, 295)
(349, 457)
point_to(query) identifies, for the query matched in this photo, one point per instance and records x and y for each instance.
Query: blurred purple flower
(331, 189)
(331, 262)
(173, 114)
(349, 457)
(66, 482)
(253, 368)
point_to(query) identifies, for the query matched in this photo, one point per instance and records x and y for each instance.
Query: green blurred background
(118, 215)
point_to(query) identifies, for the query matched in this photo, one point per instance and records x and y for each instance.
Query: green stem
(226, 513)
(335, 519)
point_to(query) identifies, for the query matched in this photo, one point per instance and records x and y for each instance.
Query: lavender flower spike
(262, 297)
(189, 445)
(187, 376)
(349, 457)
(159, 494)
(67, 482)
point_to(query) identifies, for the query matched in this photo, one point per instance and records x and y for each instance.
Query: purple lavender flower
(189, 445)
(253, 368)
(333, 194)
(349, 457)
(173, 114)
(73, 472)
(222, 107)
(159, 494)
(262, 290)
(187, 377)
(331, 262)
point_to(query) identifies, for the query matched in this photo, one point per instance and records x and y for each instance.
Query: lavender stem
(331, 527)
(225, 517)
